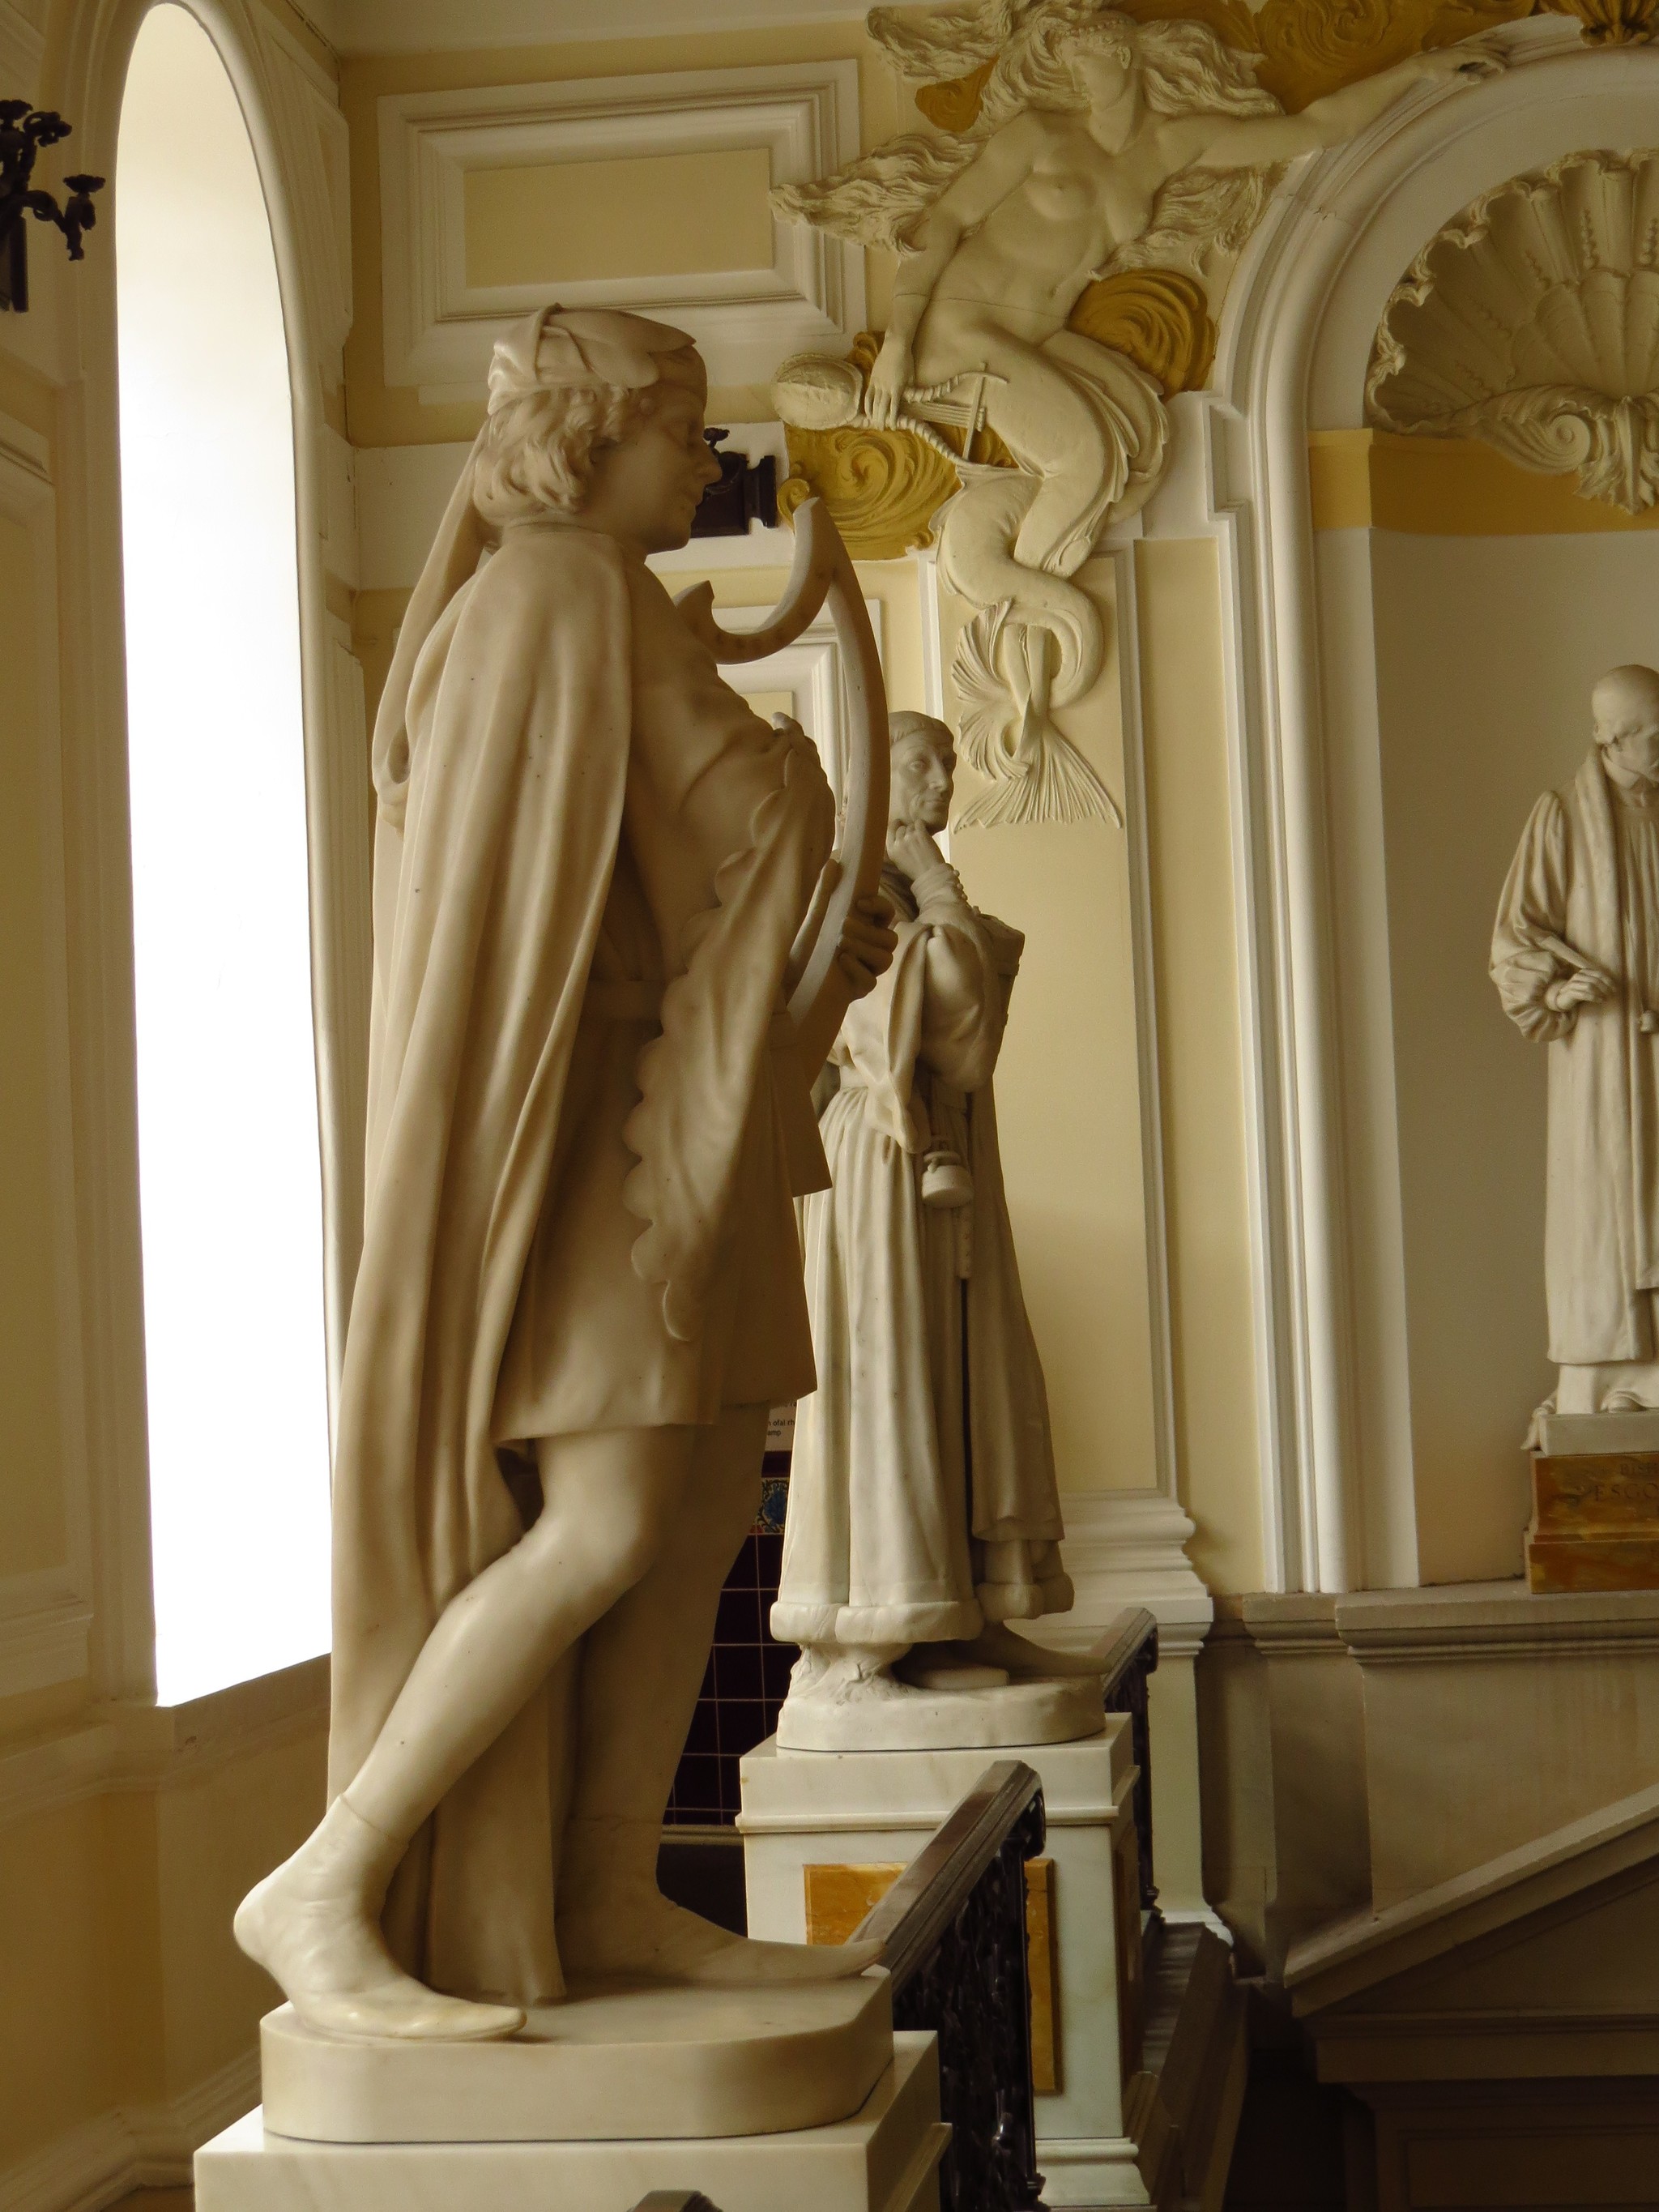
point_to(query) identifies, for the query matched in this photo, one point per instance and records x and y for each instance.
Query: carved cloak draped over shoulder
(510, 755)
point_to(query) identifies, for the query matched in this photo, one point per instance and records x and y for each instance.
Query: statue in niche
(1098, 144)
(580, 1285)
(923, 1515)
(1574, 956)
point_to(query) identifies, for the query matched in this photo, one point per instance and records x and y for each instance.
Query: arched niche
(1397, 1126)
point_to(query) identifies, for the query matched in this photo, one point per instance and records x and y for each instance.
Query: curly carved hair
(539, 447)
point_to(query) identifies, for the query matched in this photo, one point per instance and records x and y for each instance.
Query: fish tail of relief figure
(1096, 145)
(580, 1283)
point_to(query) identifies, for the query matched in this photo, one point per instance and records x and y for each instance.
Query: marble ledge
(1450, 1620)
(1085, 1783)
(1300, 1623)
(1494, 1620)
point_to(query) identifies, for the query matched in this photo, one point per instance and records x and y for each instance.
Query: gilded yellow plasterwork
(954, 106)
(1310, 47)
(1160, 318)
(884, 487)
(1613, 22)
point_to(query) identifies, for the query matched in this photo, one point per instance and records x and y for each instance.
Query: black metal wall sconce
(23, 131)
(747, 492)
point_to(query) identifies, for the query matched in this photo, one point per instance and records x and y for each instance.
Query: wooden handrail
(934, 1888)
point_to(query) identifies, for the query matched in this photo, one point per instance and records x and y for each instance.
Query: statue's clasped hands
(1588, 986)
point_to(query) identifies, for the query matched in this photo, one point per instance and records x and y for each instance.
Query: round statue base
(897, 1717)
(616, 2060)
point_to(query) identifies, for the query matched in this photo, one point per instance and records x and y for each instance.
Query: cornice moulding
(416, 26)
(1411, 1627)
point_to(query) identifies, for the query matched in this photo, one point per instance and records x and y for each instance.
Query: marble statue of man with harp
(610, 945)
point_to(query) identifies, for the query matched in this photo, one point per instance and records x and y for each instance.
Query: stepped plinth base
(659, 2060)
(884, 2159)
(1596, 1503)
(1013, 1715)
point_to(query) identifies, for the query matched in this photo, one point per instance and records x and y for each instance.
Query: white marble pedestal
(876, 1807)
(884, 2159)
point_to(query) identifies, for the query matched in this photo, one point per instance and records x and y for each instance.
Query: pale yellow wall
(1487, 649)
(1068, 1101)
(1200, 1052)
(382, 416)
(659, 214)
(71, 1966)
(122, 1985)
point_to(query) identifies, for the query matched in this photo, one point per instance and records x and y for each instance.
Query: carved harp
(823, 571)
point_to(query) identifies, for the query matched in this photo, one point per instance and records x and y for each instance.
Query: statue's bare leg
(641, 1667)
(314, 1924)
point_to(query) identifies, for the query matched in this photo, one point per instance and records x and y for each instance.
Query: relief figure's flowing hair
(883, 198)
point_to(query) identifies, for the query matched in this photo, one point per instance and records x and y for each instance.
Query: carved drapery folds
(1531, 322)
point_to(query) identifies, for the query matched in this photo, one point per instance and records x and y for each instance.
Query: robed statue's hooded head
(561, 385)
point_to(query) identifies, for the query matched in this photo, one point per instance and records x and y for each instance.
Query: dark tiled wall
(747, 1674)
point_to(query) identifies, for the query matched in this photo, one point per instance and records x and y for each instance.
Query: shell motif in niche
(1531, 322)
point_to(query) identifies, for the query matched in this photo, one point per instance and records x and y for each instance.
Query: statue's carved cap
(559, 347)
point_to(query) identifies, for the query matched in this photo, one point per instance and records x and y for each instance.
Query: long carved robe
(922, 1499)
(1586, 875)
(591, 861)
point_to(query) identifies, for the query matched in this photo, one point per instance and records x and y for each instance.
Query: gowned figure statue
(1100, 145)
(580, 1281)
(1574, 956)
(922, 1510)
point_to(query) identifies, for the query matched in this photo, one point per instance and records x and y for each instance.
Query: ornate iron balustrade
(954, 1928)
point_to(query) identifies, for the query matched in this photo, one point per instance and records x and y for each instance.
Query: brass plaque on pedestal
(1595, 1521)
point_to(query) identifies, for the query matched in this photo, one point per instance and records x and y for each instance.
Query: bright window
(229, 1174)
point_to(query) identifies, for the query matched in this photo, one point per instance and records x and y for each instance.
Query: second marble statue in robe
(922, 1505)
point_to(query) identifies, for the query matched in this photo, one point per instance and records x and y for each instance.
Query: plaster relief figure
(1099, 145)
(580, 1283)
(923, 1514)
(1575, 957)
